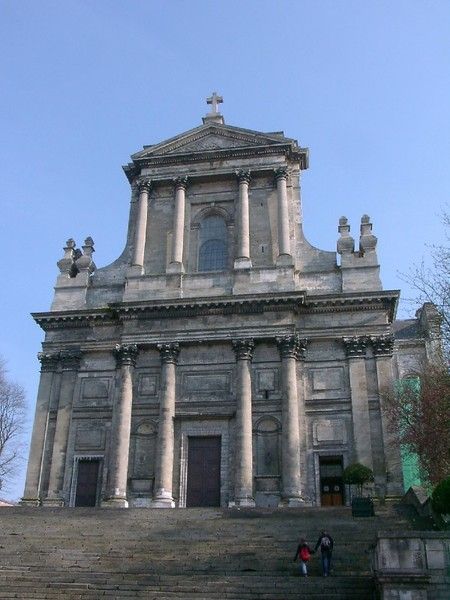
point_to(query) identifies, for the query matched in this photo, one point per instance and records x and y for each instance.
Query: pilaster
(70, 363)
(383, 348)
(356, 352)
(32, 493)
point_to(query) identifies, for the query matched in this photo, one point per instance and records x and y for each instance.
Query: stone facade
(219, 320)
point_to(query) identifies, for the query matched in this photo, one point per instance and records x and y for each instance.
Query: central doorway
(87, 483)
(331, 483)
(203, 472)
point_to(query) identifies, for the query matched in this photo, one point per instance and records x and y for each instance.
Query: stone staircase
(201, 554)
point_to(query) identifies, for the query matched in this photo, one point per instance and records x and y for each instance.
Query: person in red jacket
(326, 544)
(303, 553)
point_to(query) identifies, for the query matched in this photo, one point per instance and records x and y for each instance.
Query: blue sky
(365, 85)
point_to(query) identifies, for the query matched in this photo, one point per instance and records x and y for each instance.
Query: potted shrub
(358, 475)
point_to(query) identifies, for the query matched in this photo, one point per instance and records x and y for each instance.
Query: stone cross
(214, 100)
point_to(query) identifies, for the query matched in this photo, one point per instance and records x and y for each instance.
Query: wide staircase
(189, 554)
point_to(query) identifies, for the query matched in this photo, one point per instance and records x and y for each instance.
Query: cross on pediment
(214, 100)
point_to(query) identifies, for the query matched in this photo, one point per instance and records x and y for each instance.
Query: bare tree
(432, 282)
(12, 422)
(419, 415)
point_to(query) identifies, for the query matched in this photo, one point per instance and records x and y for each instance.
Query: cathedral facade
(221, 360)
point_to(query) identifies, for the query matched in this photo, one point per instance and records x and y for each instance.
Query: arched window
(213, 244)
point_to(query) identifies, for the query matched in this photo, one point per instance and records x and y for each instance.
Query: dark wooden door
(203, 480)
(87, 481)
(331, 483)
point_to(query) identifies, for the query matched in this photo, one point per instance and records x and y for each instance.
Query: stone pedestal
(163, 496)
(243, 489)
(121, 428)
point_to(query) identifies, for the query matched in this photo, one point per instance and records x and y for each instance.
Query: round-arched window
(213, 244)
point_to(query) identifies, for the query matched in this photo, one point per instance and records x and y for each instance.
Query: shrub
(440, 498)
(357, 474)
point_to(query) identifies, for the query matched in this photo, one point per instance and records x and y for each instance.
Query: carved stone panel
(90, 436)
(267, 381)
(210, 383)
(148, 385)
(143, 447)
(94, 391)
(329, 432)
(267, 447)
(327, 379)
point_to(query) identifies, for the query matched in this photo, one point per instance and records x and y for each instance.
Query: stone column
(176, 260)
(356, 352)
(121, 428)
(70, 362)
(291, 348)
(141, 223)
(284, 245)
(163, 495)
(383, 347)
(243, 489)
(32, 492)
(242, 260)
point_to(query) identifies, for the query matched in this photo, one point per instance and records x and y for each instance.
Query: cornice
(285, 149)
(299, 302)
(387, 300)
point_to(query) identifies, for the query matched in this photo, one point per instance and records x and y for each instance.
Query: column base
(284, 260)
(242, 263)
(135, 271)
(175, 267)
(114, 503)
(291, 501)
(53, 502)
(248, 502)
(163, 499)
(30, 502)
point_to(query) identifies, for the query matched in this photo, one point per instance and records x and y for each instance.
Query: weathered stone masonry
(221, 359)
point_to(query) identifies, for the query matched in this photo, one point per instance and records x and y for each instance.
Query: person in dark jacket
(303, 554)
(326, 543)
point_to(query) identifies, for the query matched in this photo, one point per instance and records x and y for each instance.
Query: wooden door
(87, 481)
(331, 483)
(203, 476)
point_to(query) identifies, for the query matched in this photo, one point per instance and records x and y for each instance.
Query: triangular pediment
(212, 137)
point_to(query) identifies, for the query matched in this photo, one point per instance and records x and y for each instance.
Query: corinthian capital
(292, 346)
(144, 185)
(355, 346)
(382, 345)
(169, 353)
(49, 361)
(243, 175)
(70, 359)
(180, 183)
(281, 173)
(126, 354)
(243, 349)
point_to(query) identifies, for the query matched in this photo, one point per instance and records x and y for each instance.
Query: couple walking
(303, 553)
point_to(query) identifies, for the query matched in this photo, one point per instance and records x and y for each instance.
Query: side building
(221, 360)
